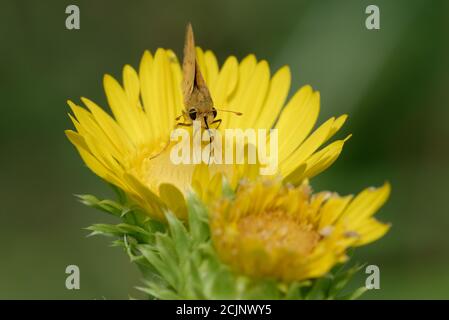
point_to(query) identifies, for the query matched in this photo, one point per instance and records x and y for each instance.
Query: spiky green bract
(178, 260)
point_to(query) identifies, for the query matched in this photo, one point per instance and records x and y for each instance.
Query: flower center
(278, 232)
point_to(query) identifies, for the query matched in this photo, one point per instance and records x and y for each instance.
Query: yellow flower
(131, 148)
(287, 233)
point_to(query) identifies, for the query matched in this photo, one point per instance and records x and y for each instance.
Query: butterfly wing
(194, 88)
(188, 65)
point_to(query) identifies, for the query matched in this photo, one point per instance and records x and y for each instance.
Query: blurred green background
(394, 83)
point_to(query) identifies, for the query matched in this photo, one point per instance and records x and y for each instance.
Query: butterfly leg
(184, 124)
(218, 121)
(183, 114)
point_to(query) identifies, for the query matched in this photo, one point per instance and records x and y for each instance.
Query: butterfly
(198, 103)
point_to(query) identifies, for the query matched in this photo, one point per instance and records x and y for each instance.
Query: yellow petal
(90, 160)
(338, 123)
(131, 83)
(211, 64)
(277, 94)
(165, 108)
(297, 120)
(146, 198)
(370, 231)
(365, 205)
(308, 147)
(223, 86)
(176, 72)
(324, 158)
(148, 87)
(332, 210)
(76, 139)
(296, 176)
(245, 72)
(201, 62)
(253, 98)
(95, 136)
(174, 199)
(200, 178)
(115, 133)
(126, 114)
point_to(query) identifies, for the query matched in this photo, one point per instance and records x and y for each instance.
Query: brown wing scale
(194, 88)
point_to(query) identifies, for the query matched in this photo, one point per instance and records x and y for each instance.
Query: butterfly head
(205, 115)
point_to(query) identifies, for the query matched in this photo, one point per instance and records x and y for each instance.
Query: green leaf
(108, 206)
(294, 291)
(341, 279)
(121, 195)
(263, 290)
(198, 220)
(153, 289)
(120, 230)
(354, 295)
(137, 232)
(227, 191)
(193, 286)
(105, 229)
(180, 236)
(134, 215)
(220, 285)
(319, 288)
(167, 253)
(153, 258)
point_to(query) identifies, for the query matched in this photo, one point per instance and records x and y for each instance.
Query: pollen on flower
(270, 230)
(279, 231)
(326, 231)
(351, 234)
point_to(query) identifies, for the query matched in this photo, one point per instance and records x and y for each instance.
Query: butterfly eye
(192, 114)
(214, 112)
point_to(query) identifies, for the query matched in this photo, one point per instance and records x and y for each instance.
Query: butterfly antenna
(231, 111)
